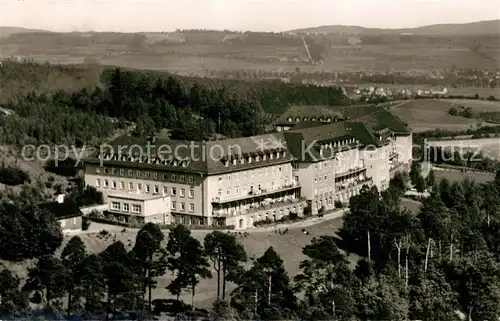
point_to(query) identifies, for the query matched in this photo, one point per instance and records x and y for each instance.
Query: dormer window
(257, 158)
(249, 160)
(283, 154)
(234, 161)
(297, 119)
(175, 162)
(242, 160)
(313, 119)
(277, 155)
(271, 156)
(264, 157)
(226, 163)
(184, 163)
(304, 119)
(329, 120)
(289, 119)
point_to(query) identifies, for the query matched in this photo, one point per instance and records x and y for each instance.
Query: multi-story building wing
(244, 180)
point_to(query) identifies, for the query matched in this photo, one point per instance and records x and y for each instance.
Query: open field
(489, 147)
(454, 176)
(427, 114)
(478, 106)
(195, 51)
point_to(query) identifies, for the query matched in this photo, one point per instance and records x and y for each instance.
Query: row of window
(147, 175)
(257, 158)
(125, 207)
(137, 209)
(172, 191)
(259, 187)
(253, 173)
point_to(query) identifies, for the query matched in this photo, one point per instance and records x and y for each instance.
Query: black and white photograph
(220, 160)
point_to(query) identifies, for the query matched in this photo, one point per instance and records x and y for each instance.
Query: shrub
(85, 224)
(293, 216)
(13, 176)
(338, 204)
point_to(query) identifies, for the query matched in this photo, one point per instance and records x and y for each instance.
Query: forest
(190, 108)
(427, 266)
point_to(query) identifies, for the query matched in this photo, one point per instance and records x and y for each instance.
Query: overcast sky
(265, 15)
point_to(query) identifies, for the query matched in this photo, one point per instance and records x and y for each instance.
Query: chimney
(60, 198)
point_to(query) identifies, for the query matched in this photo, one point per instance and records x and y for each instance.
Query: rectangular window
(164, 177)
(130, 186)
(113, 184)
(139, 187)
(106, 183)
(122, 185)
(181, 179)
(97, 170)
(113, 171)
(136, 208)
(122, 172)
(126, 207)
(138, 174)
(173, 205)
(106, 171)
(155, 175)
(191, 193)
(98, 182)
(148, 188)
(183, 192)
(191, 207)
(157, 189)
(130, 173)
(115, 206)
(173, 191)
(172, 177)
(146, 175)
(183, 206)
(165, 190)
(191, 179)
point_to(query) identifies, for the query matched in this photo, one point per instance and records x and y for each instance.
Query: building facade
(312, 164)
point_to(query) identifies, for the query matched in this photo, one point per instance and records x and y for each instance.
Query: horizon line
(243, 31)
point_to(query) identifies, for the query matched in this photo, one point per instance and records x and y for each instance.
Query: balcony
(354, 170)
(396, 166)
(356, 184)
(255, 193)
(257, 208)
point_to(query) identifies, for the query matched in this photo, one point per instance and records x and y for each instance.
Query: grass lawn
(428, 114)
(478, 106)
(454, 176)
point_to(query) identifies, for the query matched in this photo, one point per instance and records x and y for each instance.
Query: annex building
(317, 156)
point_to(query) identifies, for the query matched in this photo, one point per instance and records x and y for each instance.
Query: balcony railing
(255, 193)
(395, 167)
(357, 169)
(256, 208)
(355, 184)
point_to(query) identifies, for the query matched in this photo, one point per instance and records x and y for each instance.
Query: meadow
(429, 114)
(489, 147)
(454, 176)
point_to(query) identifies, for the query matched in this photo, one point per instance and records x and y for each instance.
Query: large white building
(319, 155)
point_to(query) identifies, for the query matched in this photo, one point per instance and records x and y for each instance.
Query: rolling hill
(6, 31)
(491, 27)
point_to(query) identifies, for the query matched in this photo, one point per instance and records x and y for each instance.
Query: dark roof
(191, 156)
(367, 125)
(306, 113)
(68, 209)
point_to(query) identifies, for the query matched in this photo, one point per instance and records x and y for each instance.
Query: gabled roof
(307, 113)
(68, 209)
